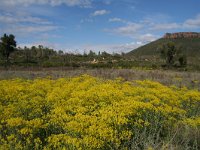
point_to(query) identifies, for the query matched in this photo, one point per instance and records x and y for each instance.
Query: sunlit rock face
(182, 35)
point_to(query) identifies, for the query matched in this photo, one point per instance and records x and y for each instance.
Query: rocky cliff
(182, 35)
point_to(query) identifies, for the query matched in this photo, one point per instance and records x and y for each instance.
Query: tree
(91, 54)
(172, 53)
(7, 46)
(169, 53)
(183, 61)
(60, 52)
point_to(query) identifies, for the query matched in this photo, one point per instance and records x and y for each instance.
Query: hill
(189, 42)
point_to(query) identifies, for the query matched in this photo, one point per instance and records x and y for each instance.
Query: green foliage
(187, 47)
(144, 57)
(7, 46)
(171, 53)
(183, 61)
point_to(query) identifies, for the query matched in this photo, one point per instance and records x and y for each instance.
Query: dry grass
(180, 79)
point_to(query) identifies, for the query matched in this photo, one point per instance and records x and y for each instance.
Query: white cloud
(11, 18)
(27, 30)
(157, 18)
(128, 30)
(24, 24)
(82, 3)
(116, 48)
(117, 20)
(145, 38)
(110, 48)
(126, 47)
(107, 2)
(31, 29)
(43, 43)
(165, 26)
(145, 30)
(100, 12)
(86, 20)
(192, 23)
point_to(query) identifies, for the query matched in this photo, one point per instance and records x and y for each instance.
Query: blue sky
(99, 25)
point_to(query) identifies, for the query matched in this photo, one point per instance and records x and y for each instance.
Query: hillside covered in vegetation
(189, 43)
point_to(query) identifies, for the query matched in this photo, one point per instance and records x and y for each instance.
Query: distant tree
(183, 61)
(7, 46)
(60, 52)
(105, 54)
(40, 51)
(91, 53)
(85, 53)
(168, 52)
(123, 54)
(27, 54)
(116, 55)
(172, 53)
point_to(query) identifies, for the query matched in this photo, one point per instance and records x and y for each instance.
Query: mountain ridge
(189, 42)
(182, 35)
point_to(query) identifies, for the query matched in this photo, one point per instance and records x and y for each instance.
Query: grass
(166, 77)
(189, 46)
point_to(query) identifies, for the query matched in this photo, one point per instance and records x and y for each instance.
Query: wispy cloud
(145, 30)
(117, 48)
(165, 26)
(192, 23)
(128, 30)
(31, 29)
(11, 18)
(148, 37)
(117, 20)
(100, 12)
(24, 24)
(138, 31)
(86, 20)
(107, 2)
(82, 3)
(27, 30)
(42, 42)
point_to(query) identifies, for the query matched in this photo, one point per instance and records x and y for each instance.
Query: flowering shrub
(91, 113)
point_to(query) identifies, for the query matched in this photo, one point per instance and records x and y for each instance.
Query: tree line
(39, 55)
(42, 56)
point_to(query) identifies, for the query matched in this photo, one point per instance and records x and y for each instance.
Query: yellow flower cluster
(90, 113)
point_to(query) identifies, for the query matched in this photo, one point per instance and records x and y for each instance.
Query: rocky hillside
(181, 35)
(189, 42)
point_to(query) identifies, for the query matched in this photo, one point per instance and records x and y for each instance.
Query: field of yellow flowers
(85, 112)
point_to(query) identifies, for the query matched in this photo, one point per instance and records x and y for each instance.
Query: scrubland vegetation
(160, 54)
(85, 112)
(189, 79)
(146, 99)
